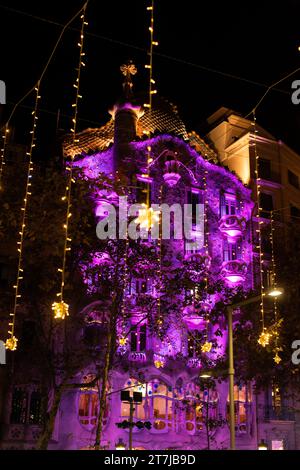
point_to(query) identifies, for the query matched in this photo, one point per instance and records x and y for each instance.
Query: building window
(35, 408)
(277, 445)
(228, 204)
(295, 211)
(264, 167)
(293, 179)
(156, 407)
(231, 251)
(202, 406)
(138, 338)
(19, 406)
(139, 286)
(26, 406)
(88, 404)
(265, 204)
(276, 398)
(194, 343)
(143, 190)
(194, 199)
(242, 408)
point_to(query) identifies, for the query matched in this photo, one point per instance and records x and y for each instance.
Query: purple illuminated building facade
(171, 325)
(166, 367)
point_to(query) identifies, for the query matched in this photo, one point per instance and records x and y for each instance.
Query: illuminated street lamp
(120, 445)
(262, 445)
(275, 291)
(206, 375)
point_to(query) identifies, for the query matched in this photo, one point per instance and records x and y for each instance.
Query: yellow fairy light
(60, 309)
(2, 152)
(277, 358)
(122, 341)
(206, 347)
(264, 338)
(147, 218)
(158, 364)
(11, 343)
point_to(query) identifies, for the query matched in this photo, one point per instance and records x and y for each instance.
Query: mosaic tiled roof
(202, 147)
(164, 118)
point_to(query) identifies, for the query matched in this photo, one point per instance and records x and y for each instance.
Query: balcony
(232, 226)
(234, 271)
(192, 319)
(197, 264)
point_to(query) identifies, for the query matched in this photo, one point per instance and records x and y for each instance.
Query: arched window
(201, 406)
(35, 408)
(194, 343)
(88, 404)
(157, 404)
(138, 338)
(242, 407)
(162, 405)
(19, 406)
(26, 406)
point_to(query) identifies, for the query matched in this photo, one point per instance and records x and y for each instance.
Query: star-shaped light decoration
(11, 343)
(147, 217)
(264, 338)
(277, 358)
(60, 309)
(206, 347)
(158, 364)
(122, 341)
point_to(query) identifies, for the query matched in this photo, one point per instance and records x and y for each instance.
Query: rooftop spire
(128, 70)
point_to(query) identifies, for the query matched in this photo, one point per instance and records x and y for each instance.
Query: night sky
(210, 54)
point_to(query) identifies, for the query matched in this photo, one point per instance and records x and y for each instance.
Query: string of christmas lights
(3, 151)
(123, 339)
(11, 342)
(159, 270)
(277, 349)
(61, 308)
(207, 345)
(264, 337)
(149, 66)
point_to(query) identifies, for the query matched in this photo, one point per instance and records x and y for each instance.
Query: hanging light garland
(207, 345)
(123, 339)
(265, 336)
(147, 216)
(11, 342)
(2, 153)
(159, 270)
(152, 88)
(61, 308)
(277, 349)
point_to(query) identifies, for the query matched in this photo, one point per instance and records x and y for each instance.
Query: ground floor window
(181, 408)
(156, 406)
(242, 407)
(88, 403)
(26, 406)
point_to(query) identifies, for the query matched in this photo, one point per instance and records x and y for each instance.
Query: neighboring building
(177, 168)
(233, 138)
